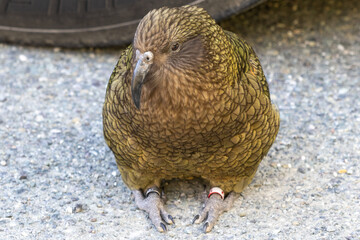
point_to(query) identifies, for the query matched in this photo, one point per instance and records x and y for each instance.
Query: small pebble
(78, 208)
(301, 170)
(286, 165)
(273, 165)
(330, 229)
(39, 118)
(74, 199)
(23, 177)
(295, 223)
(311, 127)
(55, 131)
(343, 91)
(76, 120)
(69, 209)
(3, 163)
(340, 47)
(93, 220)
(341, 171)
(23, 58)
(43, 79)
(242, 214)
(310, 43)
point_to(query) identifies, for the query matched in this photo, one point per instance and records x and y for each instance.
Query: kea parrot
(188, 99)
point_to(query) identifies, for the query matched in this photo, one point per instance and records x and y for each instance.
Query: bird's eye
(175, 47)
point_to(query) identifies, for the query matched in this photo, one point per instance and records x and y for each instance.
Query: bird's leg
(215, 205)
(154, 206)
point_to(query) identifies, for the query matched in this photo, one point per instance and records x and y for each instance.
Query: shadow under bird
(188, 99)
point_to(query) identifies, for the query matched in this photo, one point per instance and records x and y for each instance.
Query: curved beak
(144, 62)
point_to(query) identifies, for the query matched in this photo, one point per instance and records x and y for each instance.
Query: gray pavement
(58, 180)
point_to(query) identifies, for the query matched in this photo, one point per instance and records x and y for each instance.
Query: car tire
(90, 23)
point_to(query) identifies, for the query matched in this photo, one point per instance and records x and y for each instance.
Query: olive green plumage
(205, 108)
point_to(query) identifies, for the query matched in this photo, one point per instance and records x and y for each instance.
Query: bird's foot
(215, 205)
(154, 206)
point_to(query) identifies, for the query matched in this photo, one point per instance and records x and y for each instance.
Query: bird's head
(172, 43)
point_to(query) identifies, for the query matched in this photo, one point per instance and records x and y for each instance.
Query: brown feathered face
(169, 42)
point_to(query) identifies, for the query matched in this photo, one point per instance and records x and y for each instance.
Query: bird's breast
(186, 127)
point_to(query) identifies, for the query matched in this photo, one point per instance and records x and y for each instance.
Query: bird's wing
(114, 99)
(122, 67)
(249, 63)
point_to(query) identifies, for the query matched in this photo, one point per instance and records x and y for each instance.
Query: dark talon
(207, 215)
(171, 218)
(163, 227)
(214, 207)
(195, 218)
(205, 226)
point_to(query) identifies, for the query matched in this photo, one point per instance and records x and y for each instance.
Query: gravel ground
(59, 181)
